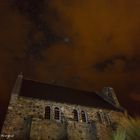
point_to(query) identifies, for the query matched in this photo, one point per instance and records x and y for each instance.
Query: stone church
(39, 111)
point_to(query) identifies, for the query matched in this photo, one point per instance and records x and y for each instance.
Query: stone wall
(21, 108)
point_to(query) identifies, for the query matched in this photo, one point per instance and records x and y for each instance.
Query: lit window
(56, 113)
(47, 112)
(83, 116)
(75, 115)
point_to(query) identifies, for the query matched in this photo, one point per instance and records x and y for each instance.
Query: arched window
(56, 113)
(104, 117)
(101, 116)
(75, 115)
(107, 119)
(83, 116)
(47, 112)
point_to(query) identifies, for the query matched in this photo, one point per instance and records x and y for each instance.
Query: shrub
(129, 129)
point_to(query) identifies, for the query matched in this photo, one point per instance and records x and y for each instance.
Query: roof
(36, 89)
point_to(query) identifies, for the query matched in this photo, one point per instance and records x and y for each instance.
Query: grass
(129, 129)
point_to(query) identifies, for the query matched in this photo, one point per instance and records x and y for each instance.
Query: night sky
(84, 44)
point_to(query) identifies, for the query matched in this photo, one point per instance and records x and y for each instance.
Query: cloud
(101, 33)
(83, 44)
(103, 48)
(14, 29)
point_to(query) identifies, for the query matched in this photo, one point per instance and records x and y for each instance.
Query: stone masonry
(25, 120)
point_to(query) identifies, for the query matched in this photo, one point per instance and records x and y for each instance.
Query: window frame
(104, 117)
(101, 115)
(59, 113)
(77, 115)
(108, 119)
(50, 109)
(85, 116)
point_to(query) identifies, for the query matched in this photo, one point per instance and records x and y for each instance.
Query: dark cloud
(13, 33)
(31, 9)
(82, 44)
(102, 66)
(40, 35)
(105, 39)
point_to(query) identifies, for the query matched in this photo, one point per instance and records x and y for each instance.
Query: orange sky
(86, 44)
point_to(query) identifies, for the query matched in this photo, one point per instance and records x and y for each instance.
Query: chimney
(17, 85)
(16, 89)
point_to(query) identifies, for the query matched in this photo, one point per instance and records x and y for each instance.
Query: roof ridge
(58, 85)
(76, 89)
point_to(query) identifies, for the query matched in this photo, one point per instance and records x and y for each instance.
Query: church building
(40, 111)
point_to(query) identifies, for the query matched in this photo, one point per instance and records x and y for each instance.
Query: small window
(104, 118)
(47, 112)
(75, 115)
(101, 116)
(83, 116)
(56, 113)
(107, 119)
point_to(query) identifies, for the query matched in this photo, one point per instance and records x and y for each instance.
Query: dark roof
(35, 89)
